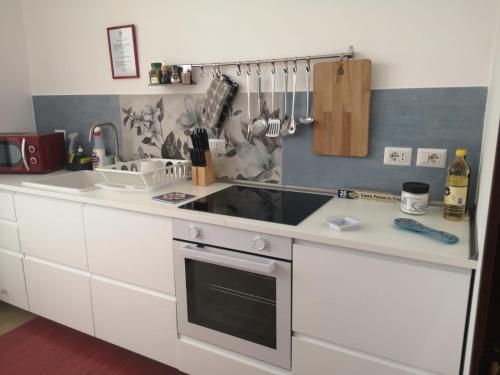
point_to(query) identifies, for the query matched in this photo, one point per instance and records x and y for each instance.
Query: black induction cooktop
(277, 206)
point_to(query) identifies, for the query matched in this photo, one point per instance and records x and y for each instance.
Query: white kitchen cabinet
(12, 286)
(7, 210)
(51, 229)
(9, 238)
(131, 247)
(59, 293)
(135, 319)
(406, 311)
(311, 357)
(199, 358)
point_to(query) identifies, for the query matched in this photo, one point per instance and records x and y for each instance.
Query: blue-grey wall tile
(76, 113)
(431, 118)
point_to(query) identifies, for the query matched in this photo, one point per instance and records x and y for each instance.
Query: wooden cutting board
(342, 92)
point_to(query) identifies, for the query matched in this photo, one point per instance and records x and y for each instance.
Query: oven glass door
(10, 154)
(236, 302)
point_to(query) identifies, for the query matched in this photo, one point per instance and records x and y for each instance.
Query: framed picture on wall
(123, 51)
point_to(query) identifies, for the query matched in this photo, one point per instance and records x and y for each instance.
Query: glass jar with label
(175, 77)
(155, 73)
(165, 73)
(415, 198)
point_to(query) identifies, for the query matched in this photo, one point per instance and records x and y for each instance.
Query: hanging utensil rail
(217, 66)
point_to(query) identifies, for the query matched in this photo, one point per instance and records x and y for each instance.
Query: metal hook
(273, 69)
(258, 68)
(249, 70)
(308, 66)
(285, 68)
(351, 51)
(202, 70)
(214, 72)
(295, 66)
(218, 70)
(238, 72)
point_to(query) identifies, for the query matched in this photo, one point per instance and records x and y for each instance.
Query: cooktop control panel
(232, 238)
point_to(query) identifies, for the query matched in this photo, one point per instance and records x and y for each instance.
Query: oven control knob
(33, 160)
(31, 149)
(259, 243)
(193, 231)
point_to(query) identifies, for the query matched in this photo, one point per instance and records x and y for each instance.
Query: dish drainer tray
(128, 174)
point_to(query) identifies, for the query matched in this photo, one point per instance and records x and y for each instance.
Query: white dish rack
(128, 176)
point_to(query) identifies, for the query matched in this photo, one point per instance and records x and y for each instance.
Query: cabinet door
(199, 358)
(9, 238)
(311, 357)
(52, 229)
(408, 311)
(135, 319)
(12, 286)
(60, 294)
(131, 247)
(7, 211)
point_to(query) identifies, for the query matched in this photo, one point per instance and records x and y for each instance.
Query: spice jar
(415, 198)
(165, 73)
(175, 77)
(186, 76)
(155, 73)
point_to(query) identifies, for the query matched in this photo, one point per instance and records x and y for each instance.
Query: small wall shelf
(171, 84)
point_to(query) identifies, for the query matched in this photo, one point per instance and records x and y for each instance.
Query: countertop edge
(236, 223)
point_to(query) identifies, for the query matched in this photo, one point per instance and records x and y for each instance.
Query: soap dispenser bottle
(98, 152)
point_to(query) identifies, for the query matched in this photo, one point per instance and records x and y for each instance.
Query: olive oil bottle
(457, 184)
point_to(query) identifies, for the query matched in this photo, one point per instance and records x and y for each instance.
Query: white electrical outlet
(397, 156)
(217, 146)
(431, 157)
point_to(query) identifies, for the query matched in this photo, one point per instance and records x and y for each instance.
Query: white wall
(424, 43)
(489, 147)
(490, 132)
(16, 107)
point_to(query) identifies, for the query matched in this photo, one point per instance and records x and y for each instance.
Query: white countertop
(376, 234)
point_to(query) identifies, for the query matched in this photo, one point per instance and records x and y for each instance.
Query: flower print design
(191, 117)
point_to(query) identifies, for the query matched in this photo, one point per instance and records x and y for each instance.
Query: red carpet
(44, 347)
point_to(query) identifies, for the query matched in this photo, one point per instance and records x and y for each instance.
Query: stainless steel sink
(69, 182)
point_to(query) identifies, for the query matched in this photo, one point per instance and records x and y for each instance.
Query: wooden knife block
(204, 176)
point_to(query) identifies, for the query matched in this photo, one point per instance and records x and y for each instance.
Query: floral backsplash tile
(155, 126)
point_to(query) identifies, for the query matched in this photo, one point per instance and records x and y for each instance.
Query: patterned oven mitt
(215, 100)
(234, 90)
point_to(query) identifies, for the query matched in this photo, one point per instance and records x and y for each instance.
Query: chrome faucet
(112, 126)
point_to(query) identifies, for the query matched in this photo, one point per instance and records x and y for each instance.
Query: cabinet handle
(207, 255)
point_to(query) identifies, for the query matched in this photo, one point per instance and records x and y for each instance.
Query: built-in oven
(238, 298)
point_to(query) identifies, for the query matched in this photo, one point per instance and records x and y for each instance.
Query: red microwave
(32, 152)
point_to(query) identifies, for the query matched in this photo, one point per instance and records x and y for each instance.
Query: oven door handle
(210, 256)
(23, 154)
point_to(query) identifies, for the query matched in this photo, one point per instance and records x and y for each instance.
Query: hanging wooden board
(342, 107)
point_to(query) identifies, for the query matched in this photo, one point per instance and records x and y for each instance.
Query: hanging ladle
(307, 120)
(293, 126)
(285, 121)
